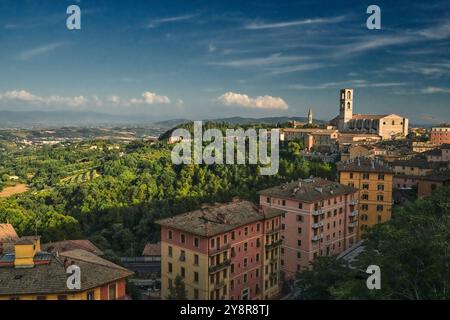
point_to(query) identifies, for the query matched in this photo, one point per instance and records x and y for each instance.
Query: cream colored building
(387, 126)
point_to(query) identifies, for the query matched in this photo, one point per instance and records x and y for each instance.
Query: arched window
(348, 105)
(349, 95)
(393, 122)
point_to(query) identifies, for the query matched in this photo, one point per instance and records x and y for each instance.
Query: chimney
(25, 250)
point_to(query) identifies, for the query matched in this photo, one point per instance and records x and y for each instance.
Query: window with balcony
(169, 252)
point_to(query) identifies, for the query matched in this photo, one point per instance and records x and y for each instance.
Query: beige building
(312, 138)
(387, 126)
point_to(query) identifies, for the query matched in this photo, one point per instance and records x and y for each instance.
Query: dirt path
(10, 191)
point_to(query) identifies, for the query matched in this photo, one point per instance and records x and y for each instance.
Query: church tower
(310, 119)
(346, 108)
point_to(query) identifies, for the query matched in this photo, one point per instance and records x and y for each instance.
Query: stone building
(387, 126)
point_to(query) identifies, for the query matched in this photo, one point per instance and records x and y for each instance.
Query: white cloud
(286, 24)
(23, 96)
(431, 90)
(157, 22)
(31, 53)
(357, 83)
(260, 102)
(29, 98)
(272, 60)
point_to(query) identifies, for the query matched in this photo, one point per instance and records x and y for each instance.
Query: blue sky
(206, 59)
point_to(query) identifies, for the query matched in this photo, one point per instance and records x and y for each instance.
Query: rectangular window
(90, 295)
(183, 238)
(195, 276)
(196, 242)
(170, 235)
(169, 267)
(196, 259)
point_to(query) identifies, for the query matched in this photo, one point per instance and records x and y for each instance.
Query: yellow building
(32, 274)
(222, 251)
(374, 179)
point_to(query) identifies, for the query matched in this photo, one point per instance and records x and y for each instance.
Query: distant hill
(11, 119)
(240, 120)
(267, 120)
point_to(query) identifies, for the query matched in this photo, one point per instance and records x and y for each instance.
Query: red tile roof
(152, 249)
(7, 233)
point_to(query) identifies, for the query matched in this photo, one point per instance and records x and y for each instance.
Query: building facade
(32, 274)
(440, 135)
(319, 219)
(386, 126)
(374, 179)
(223, 251)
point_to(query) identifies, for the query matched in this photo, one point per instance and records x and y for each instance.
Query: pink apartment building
(223, 251)
(319, 219)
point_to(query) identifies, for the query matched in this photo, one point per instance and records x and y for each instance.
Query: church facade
(387, 126)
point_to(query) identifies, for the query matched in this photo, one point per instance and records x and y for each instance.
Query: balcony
(224, 247)
(273, 230)
(354, 213)
(317, 225)
(353, 224)
(317, 212)
(220, 266)
(274, 244)
(182, 257)
(353, 202)
(317, 237)
(219, 285)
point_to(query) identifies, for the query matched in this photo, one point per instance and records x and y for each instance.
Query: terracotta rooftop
(218, 218)
(51, 277)
(68, 245)
(7, 233)
(362, 164)
(152, 249)
(309, 190)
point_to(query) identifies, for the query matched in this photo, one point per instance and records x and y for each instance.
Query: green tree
(178, 290)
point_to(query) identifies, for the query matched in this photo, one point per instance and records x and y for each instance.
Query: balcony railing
(273, 230)
(354, 213)
(353, 224)
(317, 225)
(273, 244)
(217, 267)
(220, 249)
(219, 285)
(353, 202)
(317, 237)
(317, 212)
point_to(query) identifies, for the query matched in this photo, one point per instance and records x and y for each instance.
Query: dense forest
(412, 251)
(111, 193)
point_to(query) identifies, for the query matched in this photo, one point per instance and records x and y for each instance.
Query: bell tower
(310, 118)
(345, 108)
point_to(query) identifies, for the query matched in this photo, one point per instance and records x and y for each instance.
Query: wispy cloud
(359, 83)
(157, 22)
(274, 59)
(431, 90)
(293, 23)
(34, 52)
